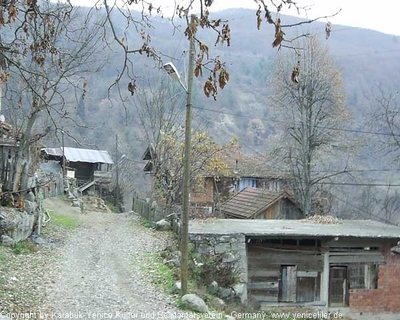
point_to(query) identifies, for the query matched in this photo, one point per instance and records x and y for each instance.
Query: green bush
(147, 224)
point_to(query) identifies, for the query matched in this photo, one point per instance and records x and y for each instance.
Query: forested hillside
(368, 60)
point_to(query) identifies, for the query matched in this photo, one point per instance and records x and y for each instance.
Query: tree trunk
(23, 156)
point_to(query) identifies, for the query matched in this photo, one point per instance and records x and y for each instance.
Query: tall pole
(116, 171)
(186, 170)
(63, 155)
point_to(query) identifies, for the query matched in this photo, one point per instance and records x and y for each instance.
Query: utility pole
(116, 171)
(63, 155)
(186, 168)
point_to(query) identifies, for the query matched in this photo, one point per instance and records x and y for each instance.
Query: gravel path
(99, 272)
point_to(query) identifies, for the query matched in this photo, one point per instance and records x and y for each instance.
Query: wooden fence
(148, 212)
(49, 180)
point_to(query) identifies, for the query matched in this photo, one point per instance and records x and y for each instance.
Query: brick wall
(205, 195)
(386, 298)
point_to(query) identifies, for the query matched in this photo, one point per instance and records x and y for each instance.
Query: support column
(324, 287)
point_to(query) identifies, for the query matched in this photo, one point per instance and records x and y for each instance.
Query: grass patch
(3, 257)
(159, 273)
(24, 247)
(147, 224)
(63, 220)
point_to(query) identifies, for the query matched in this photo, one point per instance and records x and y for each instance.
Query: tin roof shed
(80, 155)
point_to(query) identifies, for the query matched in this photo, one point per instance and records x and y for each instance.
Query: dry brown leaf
(328, 29)
(132, 87)
(295, 75)
(259, 20)
(198, 71)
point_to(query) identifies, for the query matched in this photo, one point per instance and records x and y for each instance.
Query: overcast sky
(380, 15)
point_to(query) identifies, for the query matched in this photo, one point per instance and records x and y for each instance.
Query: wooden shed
(255, 203)
(85, 162)
(321, 263)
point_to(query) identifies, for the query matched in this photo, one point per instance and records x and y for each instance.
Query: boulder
(17, 225)
(212, 288)
(224, 293)
(76, 203)
(239, 289)
(7, 241)
(194, 302)
(38, 240)
(163, 225)
(218, 303)
(177, 286)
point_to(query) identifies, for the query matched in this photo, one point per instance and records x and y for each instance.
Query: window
(357, 277)
(363, 276)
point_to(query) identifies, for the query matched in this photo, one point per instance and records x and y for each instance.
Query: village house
(87, 166)
(347, 265)
(253, 203)
(241, 171)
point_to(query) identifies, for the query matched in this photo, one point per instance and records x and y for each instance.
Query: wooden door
(288, 284)
(338, 283)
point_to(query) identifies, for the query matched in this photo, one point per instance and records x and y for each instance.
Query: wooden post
(325, 281)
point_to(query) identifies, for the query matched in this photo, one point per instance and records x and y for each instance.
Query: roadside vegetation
(69, 222)
(23, 266)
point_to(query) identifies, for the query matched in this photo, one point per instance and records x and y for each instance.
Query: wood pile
(318, 219)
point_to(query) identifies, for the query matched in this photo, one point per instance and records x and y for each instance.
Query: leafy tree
(311, 100)
(168, 164)
(160, 115)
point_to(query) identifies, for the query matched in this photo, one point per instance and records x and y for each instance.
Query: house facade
(242, 171)
(85, 165)
(346, 265)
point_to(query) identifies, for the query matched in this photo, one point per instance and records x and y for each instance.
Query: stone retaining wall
(16, 225)
(233, 249)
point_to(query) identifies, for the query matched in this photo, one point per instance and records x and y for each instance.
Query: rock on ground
(194, 302)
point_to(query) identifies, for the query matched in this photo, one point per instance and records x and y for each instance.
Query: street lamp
(171, 70)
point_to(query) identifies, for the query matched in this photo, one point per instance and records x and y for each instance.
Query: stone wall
(233, 250)
(16, 225)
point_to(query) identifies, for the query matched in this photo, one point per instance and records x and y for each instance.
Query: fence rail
(150, 212)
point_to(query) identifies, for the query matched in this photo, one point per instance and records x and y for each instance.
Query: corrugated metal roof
(295, 228)
(81, 155)
(56, 152)
(250, 201)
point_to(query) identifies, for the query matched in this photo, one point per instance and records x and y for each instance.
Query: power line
(363, 211)
(360, 184)
(286, 123)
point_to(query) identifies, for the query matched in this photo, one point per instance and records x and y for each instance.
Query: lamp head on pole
(173, 73)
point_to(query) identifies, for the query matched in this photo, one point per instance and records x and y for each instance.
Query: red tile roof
(247, 203)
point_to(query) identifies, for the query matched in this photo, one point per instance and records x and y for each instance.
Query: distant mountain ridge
(367, 58)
